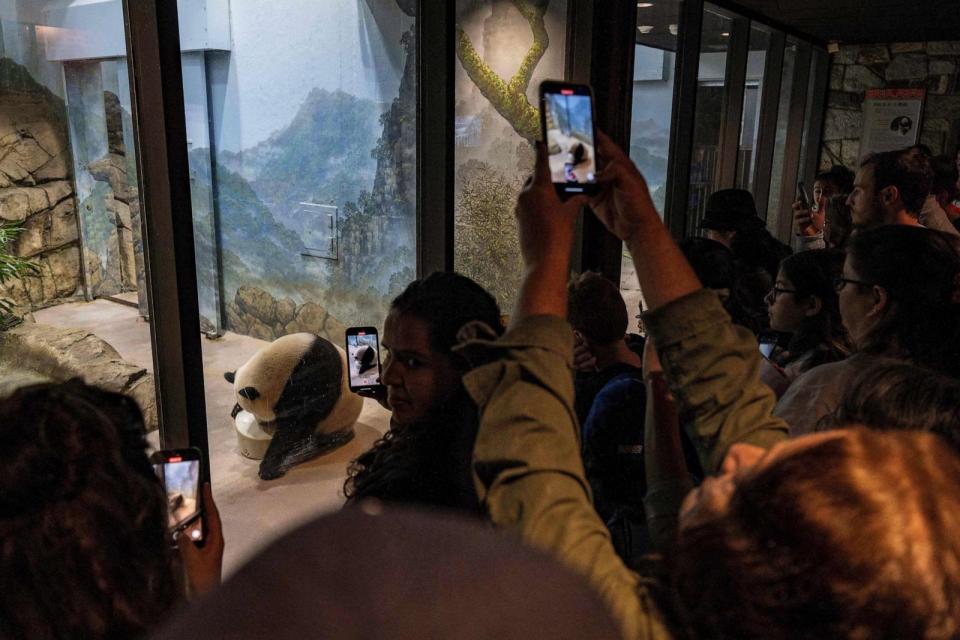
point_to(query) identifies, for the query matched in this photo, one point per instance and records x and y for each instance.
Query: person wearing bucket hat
(731, 219)
(729, 211)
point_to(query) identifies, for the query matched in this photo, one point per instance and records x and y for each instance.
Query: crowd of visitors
(777, 457)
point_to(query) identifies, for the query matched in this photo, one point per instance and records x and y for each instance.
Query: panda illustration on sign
(297, 388)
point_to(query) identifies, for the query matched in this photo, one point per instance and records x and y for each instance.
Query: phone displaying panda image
(179, 473)
(566, 122)
(363, 358)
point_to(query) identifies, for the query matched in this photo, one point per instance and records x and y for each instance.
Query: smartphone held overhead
(363, 358)
(567, 128)
(179, 472)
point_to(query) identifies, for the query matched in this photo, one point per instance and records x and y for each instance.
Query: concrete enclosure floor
(630, 289)
(253, 512)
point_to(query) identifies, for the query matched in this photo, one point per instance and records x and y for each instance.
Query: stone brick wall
(932, 66)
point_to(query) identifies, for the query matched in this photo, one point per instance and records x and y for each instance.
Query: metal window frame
(815, 112)
(759, 18)
(792, 144)
(767, 134)
(579, 53)
(156, 87)
(686, 72)
(436, 41)
(734, 88)
(611, 75)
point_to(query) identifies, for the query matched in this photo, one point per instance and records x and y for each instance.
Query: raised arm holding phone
(762, 519)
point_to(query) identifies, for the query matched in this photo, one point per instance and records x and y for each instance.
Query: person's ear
(880, 301)
(814, 305)
(889, 195)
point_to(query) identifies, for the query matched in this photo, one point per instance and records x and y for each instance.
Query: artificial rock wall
(256, 313)
(36, 189)
(932, 66)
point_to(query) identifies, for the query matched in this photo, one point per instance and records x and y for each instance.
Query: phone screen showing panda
(179, 472)
(363, 357)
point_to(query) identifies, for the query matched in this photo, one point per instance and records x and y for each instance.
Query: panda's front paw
(271, 471)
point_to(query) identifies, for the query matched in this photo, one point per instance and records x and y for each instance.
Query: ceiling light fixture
(644, 5)
(673, 29)
(725, 34)
(645, 28)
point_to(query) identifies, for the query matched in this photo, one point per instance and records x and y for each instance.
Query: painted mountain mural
(348, 155)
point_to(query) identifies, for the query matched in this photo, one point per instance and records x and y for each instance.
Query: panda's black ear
(250, 393)
(229, 376)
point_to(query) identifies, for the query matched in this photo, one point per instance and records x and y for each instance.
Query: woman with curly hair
(424, 457)
(84, 546)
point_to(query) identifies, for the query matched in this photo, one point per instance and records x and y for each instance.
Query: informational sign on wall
(891, 119)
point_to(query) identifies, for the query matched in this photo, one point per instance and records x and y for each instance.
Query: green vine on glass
(11, 266)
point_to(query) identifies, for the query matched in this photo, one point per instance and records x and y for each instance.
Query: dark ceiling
(863, 21)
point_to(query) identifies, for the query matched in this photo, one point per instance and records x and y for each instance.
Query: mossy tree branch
(510, 98)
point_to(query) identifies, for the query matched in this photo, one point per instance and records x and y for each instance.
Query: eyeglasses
(840, 282)
(776, 291)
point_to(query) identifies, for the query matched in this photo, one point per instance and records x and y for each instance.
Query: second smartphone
(566, 123)
(179, 472)
(363, 358)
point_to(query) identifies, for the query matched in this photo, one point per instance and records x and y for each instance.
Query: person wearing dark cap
(728, 212)
(731, 218)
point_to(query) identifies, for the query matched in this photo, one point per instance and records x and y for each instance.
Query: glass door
(506, 49)
(303, 185)
(69, 195)
(715, 45)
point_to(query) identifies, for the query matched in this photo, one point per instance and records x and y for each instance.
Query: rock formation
(53, 353)
(36, 189)
(258, 314)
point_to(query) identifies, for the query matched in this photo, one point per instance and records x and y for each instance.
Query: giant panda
(366, 357)
(297, 388)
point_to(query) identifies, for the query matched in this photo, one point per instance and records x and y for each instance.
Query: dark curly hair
(446, 301)
(839, 221)
(822, 336)
(839, 176)
(854, 537)
(920, 271)
(82, 517)
(428, 462)
(945, 177)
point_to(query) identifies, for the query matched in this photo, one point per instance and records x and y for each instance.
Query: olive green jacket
(527, 465)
